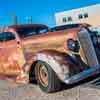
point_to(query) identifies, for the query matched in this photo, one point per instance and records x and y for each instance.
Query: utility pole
(15, 20)
(29, 19)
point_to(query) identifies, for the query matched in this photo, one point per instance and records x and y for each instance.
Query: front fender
(58, 61)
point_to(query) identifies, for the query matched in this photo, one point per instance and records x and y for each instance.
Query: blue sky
(42, 11)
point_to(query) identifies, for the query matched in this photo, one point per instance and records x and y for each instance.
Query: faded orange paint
(14, 56)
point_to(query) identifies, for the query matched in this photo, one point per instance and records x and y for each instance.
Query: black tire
(54, 83)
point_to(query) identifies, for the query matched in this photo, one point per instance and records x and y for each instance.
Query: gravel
(12, 91)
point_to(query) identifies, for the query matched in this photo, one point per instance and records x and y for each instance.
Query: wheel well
(32, 72)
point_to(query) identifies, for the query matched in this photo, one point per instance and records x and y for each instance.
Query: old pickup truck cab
(65, 54)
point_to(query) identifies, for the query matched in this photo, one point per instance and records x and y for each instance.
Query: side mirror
(73, 45)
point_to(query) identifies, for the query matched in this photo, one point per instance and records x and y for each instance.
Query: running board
(83, 75)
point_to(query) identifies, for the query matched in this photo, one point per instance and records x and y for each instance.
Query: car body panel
(18, 55)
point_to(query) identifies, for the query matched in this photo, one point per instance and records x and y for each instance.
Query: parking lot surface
(11, 91)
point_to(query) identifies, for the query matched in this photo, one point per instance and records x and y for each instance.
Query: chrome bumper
(82, 75)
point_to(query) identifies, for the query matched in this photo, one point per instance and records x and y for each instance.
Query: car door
(12, 55)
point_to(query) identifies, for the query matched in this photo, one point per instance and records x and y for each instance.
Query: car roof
(28, 26)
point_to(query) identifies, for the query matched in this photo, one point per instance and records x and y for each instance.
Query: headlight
(73, 45)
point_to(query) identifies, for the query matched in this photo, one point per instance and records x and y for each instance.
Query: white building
(90, 15)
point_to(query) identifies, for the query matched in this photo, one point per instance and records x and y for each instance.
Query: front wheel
(46, 77)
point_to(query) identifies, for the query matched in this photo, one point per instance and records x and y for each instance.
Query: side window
(6, 36)
(1, 37)
(27, 33)
(43, 31)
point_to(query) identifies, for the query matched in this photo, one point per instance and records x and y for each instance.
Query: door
(11, 54)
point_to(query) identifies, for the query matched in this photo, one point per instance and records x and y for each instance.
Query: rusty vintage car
(65, 54)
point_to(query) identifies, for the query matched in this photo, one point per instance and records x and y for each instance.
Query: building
(90, 15)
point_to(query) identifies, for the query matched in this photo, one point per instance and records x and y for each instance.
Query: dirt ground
(85, 91)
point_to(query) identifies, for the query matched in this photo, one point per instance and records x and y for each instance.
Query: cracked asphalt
(87, 91)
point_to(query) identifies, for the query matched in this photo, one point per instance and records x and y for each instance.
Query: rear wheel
(46, 77)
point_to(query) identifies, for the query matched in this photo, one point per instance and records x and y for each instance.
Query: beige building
(90, 15)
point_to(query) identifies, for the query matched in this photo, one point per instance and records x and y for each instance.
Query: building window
(80, 16)
(85, 15)
(64, 19)
(70, 18)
